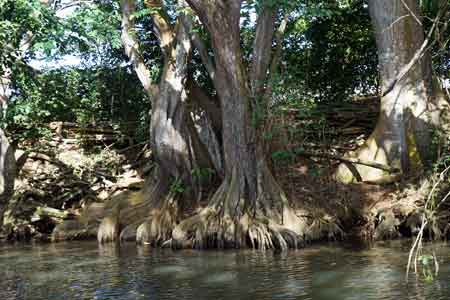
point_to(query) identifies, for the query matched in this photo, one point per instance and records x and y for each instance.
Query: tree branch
(351, 160)
(417, 56)
(73, 4)
(207, 61)
(277, 54)
(161, 20)
(411, 12)
(131, 45)
(262, 48)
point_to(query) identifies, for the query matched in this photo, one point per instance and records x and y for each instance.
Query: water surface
(83, 270)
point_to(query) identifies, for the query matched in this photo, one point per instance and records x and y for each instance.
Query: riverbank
(66, 188)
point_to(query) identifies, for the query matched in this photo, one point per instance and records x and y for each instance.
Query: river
(84, 270)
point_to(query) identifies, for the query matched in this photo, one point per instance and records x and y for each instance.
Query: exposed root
(370, 151)
(230, 222)
(325, 227)
(128, 234)
(122, 223)
(210, 229)
(108, 230)
(149, 221)
(73, 230)
(124, 213)
(157, 228)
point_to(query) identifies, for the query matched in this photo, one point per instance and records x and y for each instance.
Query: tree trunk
(177, 148)
(411, 109)
(249, 206)
(7, 159)
(7, 173)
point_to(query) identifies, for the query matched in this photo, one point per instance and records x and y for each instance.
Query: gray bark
(262, 48)
(174, 138)
(7, 159)
(172, 132)
(5, 89)
(409, 109)
(399, 36)
(7, 173)
(131, 46)
(242, 149)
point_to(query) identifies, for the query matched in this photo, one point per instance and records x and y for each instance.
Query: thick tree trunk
(249, 206)
(174, 139)
(178, 149)
(176, 146)
(7, 173)
(7, 159)
(411, 109)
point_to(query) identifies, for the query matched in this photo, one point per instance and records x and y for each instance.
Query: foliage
(202, 174)
(177, 186)
(427, 262)
(85, 96)
(23, 23)
(331, 55)
(93, 32)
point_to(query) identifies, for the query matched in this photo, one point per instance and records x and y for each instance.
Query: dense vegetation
(267, 123)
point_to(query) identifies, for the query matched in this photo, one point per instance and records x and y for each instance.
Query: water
(84, 270)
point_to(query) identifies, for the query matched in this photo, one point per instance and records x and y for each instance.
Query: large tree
(412, 105)
(249, 208)
(178, 150)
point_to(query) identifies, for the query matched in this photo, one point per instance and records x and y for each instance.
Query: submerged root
(73, 230)
(324, 227)
(108, 230)
(127, 212)
(210, 229)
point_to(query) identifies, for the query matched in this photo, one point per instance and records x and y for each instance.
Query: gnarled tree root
(229, 222)
(149, 222)
(157, 228)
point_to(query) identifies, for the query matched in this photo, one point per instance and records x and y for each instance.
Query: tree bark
(7, 159)
(411, 109)
(174, 139)
(249, 203)
(222, 22)
(7, 173)
(176, 145)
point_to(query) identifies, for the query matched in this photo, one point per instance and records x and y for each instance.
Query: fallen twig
(350, 160)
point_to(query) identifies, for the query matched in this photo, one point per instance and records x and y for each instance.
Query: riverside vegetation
(264, 124)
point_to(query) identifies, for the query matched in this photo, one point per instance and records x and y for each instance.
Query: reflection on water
(86, 271)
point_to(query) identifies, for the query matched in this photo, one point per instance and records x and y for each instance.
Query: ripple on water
(220, 278)
(84, 271)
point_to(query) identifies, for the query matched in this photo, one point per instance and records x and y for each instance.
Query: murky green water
(87, 271)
